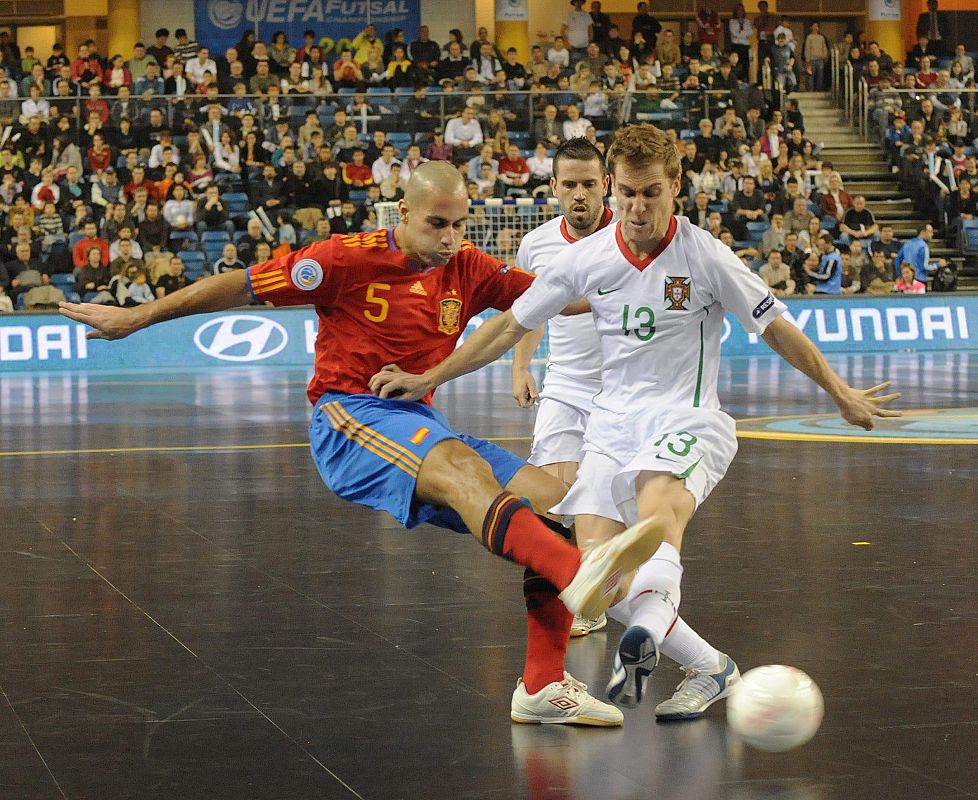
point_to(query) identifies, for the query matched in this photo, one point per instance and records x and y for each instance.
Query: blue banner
(286, 337)
(221, 23)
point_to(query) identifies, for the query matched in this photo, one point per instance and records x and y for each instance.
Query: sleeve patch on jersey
(765, 305)
(307, 274)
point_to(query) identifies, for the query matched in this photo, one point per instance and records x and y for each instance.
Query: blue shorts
(369, 451)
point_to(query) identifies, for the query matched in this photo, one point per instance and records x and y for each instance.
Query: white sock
(653, 599)
(688, 649)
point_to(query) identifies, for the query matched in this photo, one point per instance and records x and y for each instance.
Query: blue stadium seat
(346, 91)
(215, 236)
(971, 240)
(192, 260)
(756, 229)
(63, 281)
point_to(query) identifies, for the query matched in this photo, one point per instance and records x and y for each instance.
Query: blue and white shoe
(637, 656)
(699, 691)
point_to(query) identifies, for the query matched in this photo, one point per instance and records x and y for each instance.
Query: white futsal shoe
(582, 626)
(566, 702)
(699, 691)
(595, 586)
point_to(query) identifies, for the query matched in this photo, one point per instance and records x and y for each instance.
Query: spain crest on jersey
(677, 293)
(449, 315)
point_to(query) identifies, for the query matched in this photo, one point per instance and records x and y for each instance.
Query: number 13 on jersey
(641, 322)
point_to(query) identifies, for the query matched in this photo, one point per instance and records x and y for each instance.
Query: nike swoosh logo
(607, 291)
(668, 460)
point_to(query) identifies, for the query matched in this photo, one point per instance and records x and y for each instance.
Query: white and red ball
(775, 708)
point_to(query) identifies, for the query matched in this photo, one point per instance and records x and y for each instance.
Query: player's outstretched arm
(215, 293)
(857, 406)
(493, 338)
(524, 384)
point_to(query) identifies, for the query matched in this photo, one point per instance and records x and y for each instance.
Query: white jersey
(574, 362)
(660, 320)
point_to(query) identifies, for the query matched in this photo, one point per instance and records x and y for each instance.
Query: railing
(872, 126)
(384, 110)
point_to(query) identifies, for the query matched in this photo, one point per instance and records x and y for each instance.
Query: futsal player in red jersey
(404, 297)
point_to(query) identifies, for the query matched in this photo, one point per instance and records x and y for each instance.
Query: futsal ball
(775, 708)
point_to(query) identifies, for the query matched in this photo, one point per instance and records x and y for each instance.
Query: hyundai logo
(242, 337)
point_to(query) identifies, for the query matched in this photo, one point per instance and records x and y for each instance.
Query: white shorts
(693, 444)
(558, 433)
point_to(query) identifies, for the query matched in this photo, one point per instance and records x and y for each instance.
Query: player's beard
(583, 219)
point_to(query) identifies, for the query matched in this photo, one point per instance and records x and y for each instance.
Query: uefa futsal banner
(286, 337)
(221, 23)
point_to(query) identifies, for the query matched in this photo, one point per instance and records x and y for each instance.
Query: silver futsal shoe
(582, 626)
(699, 691)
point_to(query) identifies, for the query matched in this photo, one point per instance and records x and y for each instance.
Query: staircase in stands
(866, 170)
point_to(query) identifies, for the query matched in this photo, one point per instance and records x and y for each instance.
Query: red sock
(512, 530)
(548, 624)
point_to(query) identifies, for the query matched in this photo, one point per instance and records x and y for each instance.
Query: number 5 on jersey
(383, 306)
(641, 323)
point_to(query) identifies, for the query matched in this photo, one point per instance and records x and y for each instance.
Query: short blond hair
(636, 144)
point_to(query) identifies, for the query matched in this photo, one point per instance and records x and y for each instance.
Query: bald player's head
(433, 212)
(434, 177)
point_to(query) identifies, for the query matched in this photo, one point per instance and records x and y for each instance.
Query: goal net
(498, 227)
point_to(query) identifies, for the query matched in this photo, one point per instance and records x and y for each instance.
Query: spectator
(357, 174)
(174, 279)
(827, 275)
(849, 281)
(548, 130)
(836, 202)
(153, 230)
(577, 30)
(248, 245)
(93, 273)
(124, 234)
(877, 277)
(514, 172)
(186, 47)
(23, 270)
(229, 261)
(474, 169)
(858, 222)
(575, 125)
(80, 255)
(777, 275)
(908, 283)
(267, 193)
(464, 133)
(321, 233)
(178, 211)
(774, 238)
(741, 32)
(558, 54)
(381, 168)
(125, 258)
(212, 213)
(916, 252)
(159, 50)
(139, 289)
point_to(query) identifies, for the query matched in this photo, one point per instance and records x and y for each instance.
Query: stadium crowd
(123, 178)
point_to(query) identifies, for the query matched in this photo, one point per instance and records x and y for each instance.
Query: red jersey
(377, 307)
